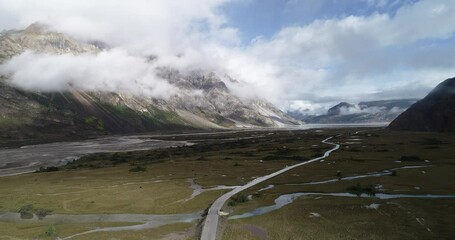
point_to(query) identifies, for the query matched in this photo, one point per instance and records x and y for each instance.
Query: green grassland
(349, 218)
(41, 230)
(104, 183)
(156, 182)
(182, 231)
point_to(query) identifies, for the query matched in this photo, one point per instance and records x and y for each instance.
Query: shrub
(383, 150)
(163, 154)
(298, 158)
(283, 151)
(26, 211)
(358, 190)
(433, 141)
(271, 158)
(339, 174)
(116, 158)
(138, 169)
(50, 231)
(48, 169)
(205, 212)
(42, 212)
(433, 147)
(410, 158)
(256, 195)
(239, 198)
(249, 154)
(276, 157)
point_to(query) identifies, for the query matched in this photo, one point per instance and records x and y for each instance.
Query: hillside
(435, 112)
(32, 114)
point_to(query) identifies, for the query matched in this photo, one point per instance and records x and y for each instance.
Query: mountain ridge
(434, 113)
(363, 112)
(203, 100)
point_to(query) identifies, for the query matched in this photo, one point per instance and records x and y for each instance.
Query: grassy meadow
(157, 182)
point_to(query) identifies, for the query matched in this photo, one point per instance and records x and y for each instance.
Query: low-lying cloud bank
(356, 109)
(109, 71)
(309, 109)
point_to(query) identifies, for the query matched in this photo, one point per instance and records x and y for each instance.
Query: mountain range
(32, 114)
(363, 112)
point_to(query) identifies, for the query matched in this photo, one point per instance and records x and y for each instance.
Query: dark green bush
(116, 158)
(298, 158)
(26, 211)
(339, 174)
(50, 231)
(358, 190)
(48, 169)
(239, 198)
(256, 195)
(433, 141)
(138, 169)
(283, 151)
(410, 158)
(271, 158)
(383, 150)
(42, 212)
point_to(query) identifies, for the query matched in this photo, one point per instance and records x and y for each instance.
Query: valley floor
(379, 184)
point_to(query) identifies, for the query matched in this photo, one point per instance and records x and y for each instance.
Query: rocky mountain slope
(435, 112)
(38, 39)
(363, 112)
(72, 112)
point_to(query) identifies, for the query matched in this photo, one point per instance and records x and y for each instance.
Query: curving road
(210, 226)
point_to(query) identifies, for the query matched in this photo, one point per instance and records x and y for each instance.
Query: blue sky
(359, 65)
(264, 18)
(298, 54)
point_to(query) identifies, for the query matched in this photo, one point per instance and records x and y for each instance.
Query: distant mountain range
(435, 112)
(363, 112)
(77, 112)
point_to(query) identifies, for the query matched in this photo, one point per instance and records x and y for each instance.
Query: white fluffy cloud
(309, 108)
(112, 71)
(157, 26)
(357, 56)
(350, 58)
(180, 33)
